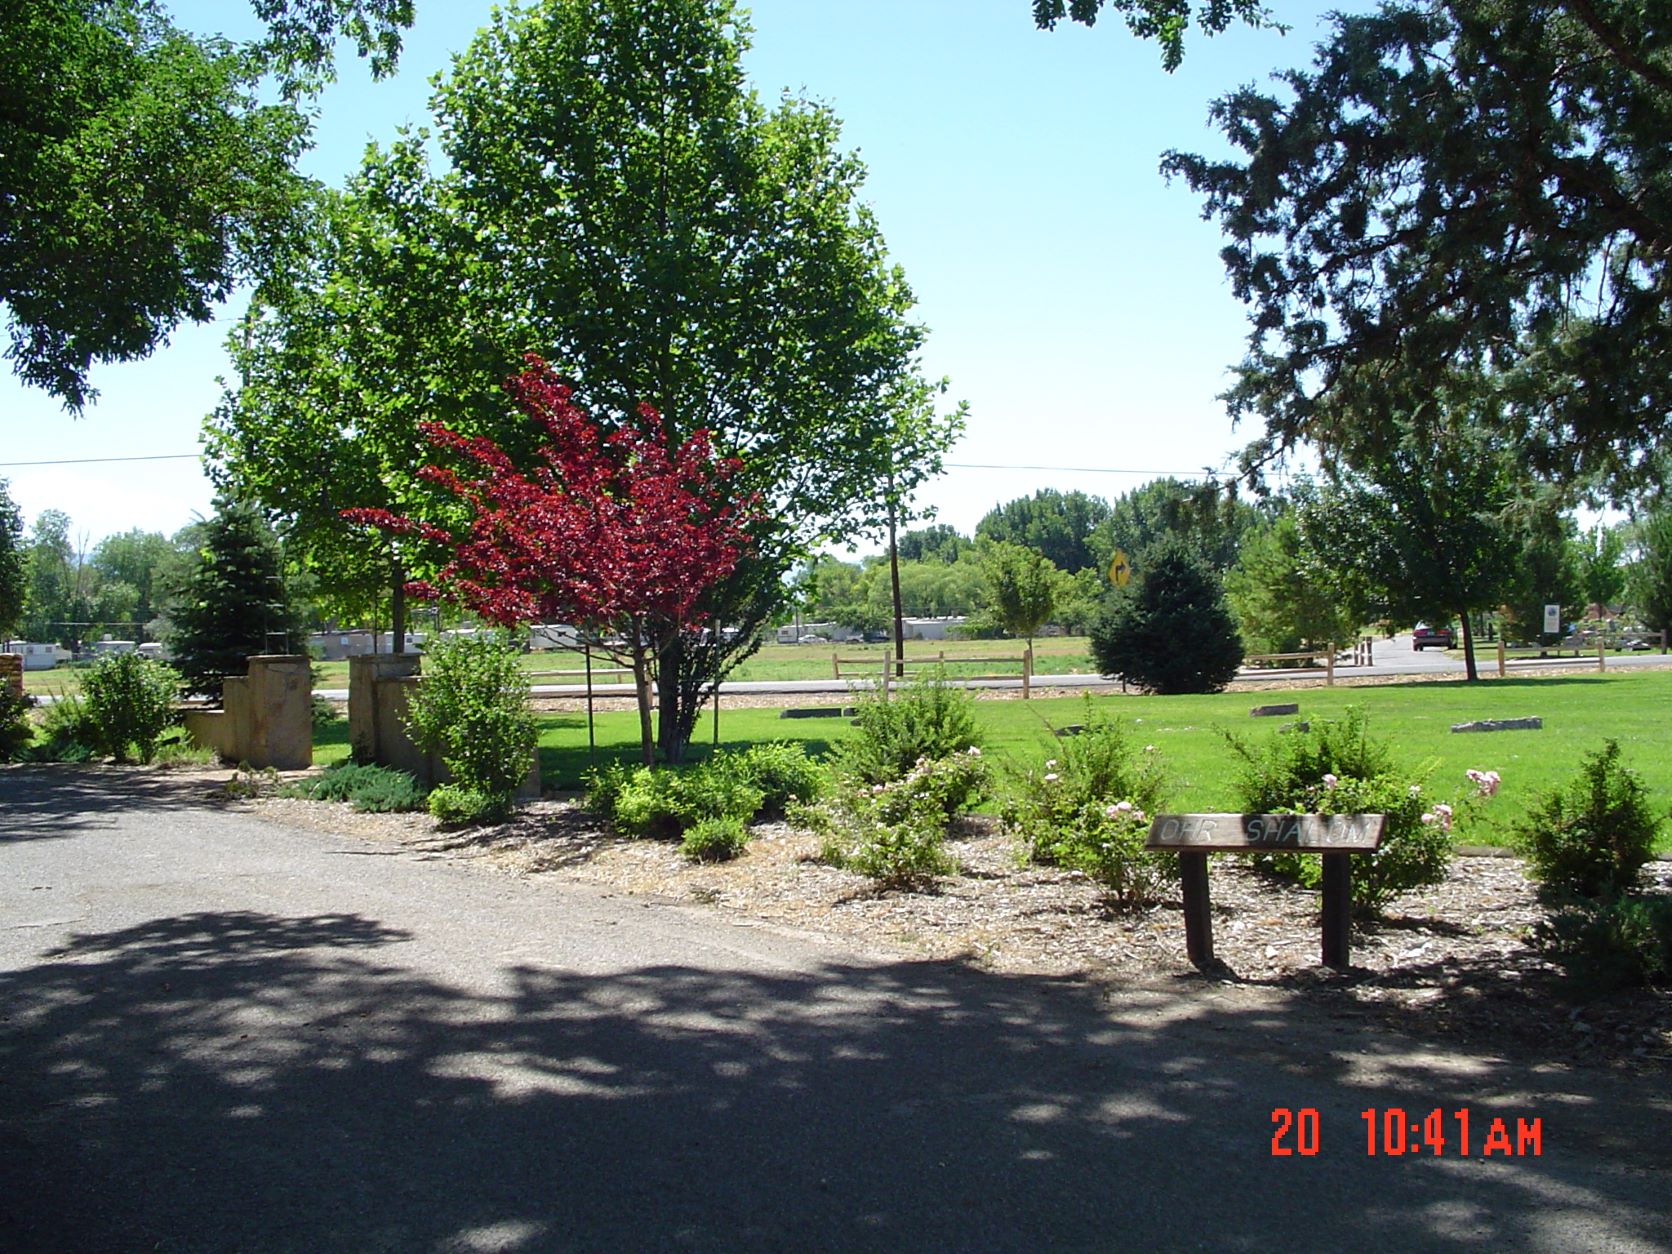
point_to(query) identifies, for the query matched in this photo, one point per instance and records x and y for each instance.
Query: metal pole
(591, 737)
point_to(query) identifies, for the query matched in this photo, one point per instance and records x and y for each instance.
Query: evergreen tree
(233, 602)
(1169, 631)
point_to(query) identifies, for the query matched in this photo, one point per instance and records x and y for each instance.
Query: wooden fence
(1544, 661)
(888, 672)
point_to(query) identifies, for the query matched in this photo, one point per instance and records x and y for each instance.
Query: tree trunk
(1469, 648)
(397, 606)
(641, 685)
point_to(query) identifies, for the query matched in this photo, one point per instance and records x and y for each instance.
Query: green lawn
(1579, 713)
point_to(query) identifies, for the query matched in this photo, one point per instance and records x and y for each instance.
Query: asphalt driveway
(219, 1034)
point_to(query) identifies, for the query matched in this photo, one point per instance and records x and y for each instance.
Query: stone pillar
(367, 721)
(11, 673)
(279, 712)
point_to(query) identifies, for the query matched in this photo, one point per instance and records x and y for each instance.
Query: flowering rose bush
(1334, 767)
(1088, 809)
(895, 831)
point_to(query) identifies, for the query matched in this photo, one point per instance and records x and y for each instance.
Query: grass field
(1579, 713)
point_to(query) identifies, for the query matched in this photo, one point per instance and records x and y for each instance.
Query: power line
(87, 461)
(1067, 470)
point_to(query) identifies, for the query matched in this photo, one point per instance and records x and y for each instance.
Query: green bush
(1334, 767)
(1620, 942)
(1091, 771)
(177, 748)
(603, 785)
(928, 718)
(130, 702)
(715, 839)
(374, 789)
(781, 770)
(896, 838)
(458, 804)
(1590, 836)
(894, 831)
(16, 728)
(472, 708)
(662, 804)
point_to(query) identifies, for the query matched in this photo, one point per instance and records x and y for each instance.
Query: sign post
(1336, 836)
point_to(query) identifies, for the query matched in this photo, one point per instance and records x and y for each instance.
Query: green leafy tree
(233, 603)
(1169, 630)
(1021, 587)
(1650, 572)
(137, 562)
(1165, 21)
(1422, 534)
(1457, 186)
(1208, 517)
(51, 609)
(1547, 572)
(618, 201)
(1602, 571)
(144, 175)
(1057, 524)
(1281, 603)
(14, 581)
(937, 543)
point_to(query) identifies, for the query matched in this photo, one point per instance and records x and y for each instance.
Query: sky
(1075, 300)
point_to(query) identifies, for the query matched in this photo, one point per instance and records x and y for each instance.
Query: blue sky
(1075, 300)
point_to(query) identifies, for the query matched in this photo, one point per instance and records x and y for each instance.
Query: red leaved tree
(613, 532)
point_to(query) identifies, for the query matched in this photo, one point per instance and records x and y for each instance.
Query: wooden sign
(1229, 833)
(1336, 836)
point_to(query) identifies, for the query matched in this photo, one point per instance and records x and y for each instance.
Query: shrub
(16, 729)
(374, 789)
(472, 709)
(1093, 770)
(926, 719)
(1334, 767)
(457, 804)
(1619, 942)
(663, 804)
(715, 839)
(130, 701)
(323, 713)
(177, 748)
(894, 831)
(781, 770)
(1590, 836)
(895, 838)
(1169, 631)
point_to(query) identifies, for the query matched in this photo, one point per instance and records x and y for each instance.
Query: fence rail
(1545, 662)
(892, 670)
(1360, 654)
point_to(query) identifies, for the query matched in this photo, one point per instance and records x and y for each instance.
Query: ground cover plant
(367, 788)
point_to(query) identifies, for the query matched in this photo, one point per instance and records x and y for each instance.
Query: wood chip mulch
(1452, 963)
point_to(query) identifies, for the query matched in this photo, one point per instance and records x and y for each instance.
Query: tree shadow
(53, 800)
(219, 1081)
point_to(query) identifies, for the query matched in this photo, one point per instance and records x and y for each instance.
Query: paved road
(219, 1034)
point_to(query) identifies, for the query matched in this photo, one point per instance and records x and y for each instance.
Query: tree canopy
(143, 174)
(620, 203)
(13, 575)
(1059, 525)
(1165, 21)
(1458, 187)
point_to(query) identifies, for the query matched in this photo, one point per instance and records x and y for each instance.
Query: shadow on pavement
(239, 1081)
(50, 800)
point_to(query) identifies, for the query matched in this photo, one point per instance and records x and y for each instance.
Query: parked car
(1426, 637)
(812, 639)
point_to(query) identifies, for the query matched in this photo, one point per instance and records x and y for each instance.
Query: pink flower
(973, 752)
(1050, 777)
(1330, 781)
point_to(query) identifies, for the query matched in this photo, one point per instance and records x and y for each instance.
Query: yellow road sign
(1120, 569)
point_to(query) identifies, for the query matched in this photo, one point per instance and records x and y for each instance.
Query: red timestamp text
(1392, 1132)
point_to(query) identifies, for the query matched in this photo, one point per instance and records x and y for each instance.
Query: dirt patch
(1451, 962)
